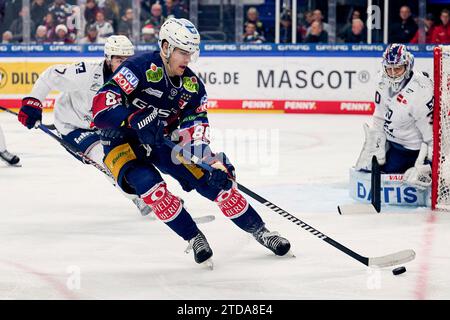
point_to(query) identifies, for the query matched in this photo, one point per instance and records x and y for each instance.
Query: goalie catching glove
(419, 176)
(374, 145)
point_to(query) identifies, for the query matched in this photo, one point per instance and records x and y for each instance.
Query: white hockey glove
(419, 176)
(374, 145)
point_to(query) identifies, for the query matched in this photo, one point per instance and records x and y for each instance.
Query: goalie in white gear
(402, 133)
(78, 83)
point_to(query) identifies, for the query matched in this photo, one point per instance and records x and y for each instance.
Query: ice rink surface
(66, 233)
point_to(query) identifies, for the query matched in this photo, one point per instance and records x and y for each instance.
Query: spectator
(90, 11)
(404, 31)
(309, 18)
(441, 34)
(173, 8)
(62, 35)
(251, 35)
(92, 36)
(357, 33)
(17, 25)
(12, 9)
(38, 11)
(61, 10)
(429, 28)
(286, 27)
(356, 14)
(7, 37)
(40, 36)
(148, 34)
(156, 18)
(126, 24)
(112, 13)
(50, 25)
(317, 34)
(104, 28)
(2, 10)
(317, 16)
(253, 17)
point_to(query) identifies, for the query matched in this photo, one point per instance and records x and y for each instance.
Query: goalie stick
(86, 159)
(382, 261)
(375, 187)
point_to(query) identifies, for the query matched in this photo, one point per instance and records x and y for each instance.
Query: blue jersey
(142, 82)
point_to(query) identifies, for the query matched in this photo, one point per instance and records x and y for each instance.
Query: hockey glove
(374, 145)
(223, 174)
(148, 127)
(31, 112)
(419, 176)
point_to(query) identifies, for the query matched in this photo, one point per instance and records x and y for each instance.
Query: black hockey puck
(399, 270)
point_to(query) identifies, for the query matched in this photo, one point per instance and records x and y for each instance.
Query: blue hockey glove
(30, 112)
(223, 174)
(148, 127)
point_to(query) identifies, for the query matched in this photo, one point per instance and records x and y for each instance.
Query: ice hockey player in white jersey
(402, 133)
(6, 156)
(78, 83)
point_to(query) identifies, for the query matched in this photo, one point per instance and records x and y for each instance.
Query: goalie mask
(182, 34)
(398, 63)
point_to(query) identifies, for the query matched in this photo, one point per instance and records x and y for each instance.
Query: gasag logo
(154, 74)
(126, 79)
(191, 84)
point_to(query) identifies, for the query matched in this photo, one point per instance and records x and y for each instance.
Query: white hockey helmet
(397, 55)
(182, 34)
(118, 46)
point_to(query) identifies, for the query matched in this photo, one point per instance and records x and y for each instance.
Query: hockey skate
(10, 158)
(273, 241)
(202, 250)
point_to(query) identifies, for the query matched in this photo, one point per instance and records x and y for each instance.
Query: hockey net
(440, 198)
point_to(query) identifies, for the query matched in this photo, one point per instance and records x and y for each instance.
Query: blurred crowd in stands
(58, 21)
(62, 22)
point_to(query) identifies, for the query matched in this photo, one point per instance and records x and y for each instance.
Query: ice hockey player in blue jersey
(402, 133)
(153, 96)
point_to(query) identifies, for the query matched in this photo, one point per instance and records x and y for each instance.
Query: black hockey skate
(273, 241)
(9, 158)
(202, 250)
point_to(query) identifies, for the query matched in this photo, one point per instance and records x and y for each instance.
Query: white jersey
(78, 83)
(406, 116)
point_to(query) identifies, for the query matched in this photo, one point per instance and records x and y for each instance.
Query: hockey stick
(67, 145)
(383, 261)
(375, 187)
(74, 150)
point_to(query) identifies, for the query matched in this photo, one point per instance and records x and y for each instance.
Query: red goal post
(440, 188)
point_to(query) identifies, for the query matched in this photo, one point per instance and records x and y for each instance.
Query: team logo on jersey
(182, 103)
(191, 84)
(126, 79)
(402, 99)
(173, 92)
(153, 92)
(154, 74)
(203, 104)
(3, 78)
